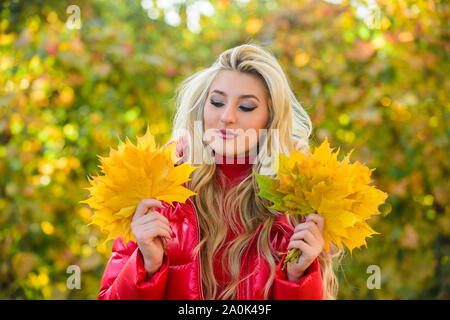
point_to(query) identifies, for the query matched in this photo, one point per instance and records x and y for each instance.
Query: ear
(299, 145)
(182, 149)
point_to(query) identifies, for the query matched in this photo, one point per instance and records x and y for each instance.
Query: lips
(226, 134)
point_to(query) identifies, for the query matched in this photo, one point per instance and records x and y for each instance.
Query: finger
(314, 230)
(153, 215)
(150, 231)
(153, 218)
(144, 205)
(309, 225)
(317, 219)
(300, 244)
(151, 234)
(307, 236)
(156, 224)
(311, 239)
(155, 231)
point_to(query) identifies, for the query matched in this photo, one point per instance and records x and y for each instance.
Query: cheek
(254, 124)
(209, 117)
(209, 124)
(258, 122)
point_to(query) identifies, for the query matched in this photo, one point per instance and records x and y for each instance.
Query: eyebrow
(242, 96)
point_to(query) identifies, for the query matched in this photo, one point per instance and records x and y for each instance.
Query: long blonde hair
(191, 96)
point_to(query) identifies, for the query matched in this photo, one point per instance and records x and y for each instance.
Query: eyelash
(219, 104)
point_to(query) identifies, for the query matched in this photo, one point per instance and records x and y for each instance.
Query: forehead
(235, 83)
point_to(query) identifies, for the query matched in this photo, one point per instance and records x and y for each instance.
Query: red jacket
(179, 276)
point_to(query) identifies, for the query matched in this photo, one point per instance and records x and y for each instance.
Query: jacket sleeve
(126, 278)
(309, 287)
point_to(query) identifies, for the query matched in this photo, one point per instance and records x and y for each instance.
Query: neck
(235, 168)
(234, 159)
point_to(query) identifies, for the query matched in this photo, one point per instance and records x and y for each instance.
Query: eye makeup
(218, 104)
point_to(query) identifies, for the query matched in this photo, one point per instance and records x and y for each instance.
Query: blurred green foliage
(379, 86)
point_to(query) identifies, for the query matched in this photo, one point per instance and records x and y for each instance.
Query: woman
(224, 243)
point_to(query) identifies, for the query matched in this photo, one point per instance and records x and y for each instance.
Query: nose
(229, 114)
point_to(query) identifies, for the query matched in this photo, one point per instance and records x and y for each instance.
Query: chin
(223, 150)
(230, 152)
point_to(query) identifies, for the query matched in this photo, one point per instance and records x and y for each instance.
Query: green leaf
(267, 190)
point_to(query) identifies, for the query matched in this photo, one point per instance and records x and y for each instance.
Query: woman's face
(236, 103)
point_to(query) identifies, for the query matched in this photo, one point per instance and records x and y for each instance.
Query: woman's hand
(308, 237)
(148, 230)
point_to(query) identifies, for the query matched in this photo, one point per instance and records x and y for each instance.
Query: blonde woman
(224, 243)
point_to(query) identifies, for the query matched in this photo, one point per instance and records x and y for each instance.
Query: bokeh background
(373, 75)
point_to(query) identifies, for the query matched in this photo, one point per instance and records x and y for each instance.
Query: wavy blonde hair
(191, 97)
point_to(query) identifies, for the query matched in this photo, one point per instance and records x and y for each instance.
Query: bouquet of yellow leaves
(319, 183)
(133, 173)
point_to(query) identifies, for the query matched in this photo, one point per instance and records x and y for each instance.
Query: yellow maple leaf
(339, 191)
(132, 173)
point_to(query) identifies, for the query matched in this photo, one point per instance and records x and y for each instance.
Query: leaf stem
(291, 255)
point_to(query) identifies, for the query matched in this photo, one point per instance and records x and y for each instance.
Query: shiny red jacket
(179, 276)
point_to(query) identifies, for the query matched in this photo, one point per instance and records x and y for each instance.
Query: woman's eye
(245, 109)
(217, 104)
